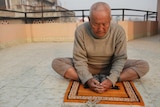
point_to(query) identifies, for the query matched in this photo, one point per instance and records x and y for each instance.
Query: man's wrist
(86, 83)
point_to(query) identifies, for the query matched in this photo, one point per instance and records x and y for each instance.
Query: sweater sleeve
(80, 57)
(119, 57)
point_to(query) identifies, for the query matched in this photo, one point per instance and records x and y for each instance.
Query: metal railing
(121, 15)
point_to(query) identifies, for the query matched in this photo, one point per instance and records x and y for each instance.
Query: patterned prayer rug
(125, 94)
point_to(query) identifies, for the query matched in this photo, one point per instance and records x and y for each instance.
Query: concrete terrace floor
(27, 79)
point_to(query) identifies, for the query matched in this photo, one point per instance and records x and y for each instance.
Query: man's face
(100, 22)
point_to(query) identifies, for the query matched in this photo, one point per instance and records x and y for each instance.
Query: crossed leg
(133, 69)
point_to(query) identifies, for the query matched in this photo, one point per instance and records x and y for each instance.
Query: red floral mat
(127, 94)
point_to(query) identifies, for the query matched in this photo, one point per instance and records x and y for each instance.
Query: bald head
(100, 7)
(100, 18)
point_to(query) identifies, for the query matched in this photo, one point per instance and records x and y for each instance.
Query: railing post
(147, 16)
(83, 15)
(25, 17)
(144, 17)
(122, 14)
(156, 16)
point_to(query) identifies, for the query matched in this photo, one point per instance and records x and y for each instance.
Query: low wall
(53, 32)
(139, 29)
(11, 34)
(152, 28)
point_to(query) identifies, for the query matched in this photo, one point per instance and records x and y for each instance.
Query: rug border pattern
(133, 95)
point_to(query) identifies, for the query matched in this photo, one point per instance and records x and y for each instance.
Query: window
(2, 4)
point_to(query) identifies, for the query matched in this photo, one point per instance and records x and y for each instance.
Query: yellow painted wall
(53, 32)
(137, 29)
(152, 28)
(11, 34)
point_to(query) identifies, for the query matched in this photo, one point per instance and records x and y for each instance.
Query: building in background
(39, 7)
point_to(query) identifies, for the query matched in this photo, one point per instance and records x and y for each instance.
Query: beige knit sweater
(89, 49)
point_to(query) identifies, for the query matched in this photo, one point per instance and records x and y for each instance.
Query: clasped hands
(99, 87)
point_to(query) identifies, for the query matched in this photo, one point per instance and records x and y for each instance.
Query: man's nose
(100, 27)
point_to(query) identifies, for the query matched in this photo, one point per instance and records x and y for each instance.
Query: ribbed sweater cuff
(113, 79)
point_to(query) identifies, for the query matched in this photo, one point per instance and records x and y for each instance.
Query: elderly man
(99, 53)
